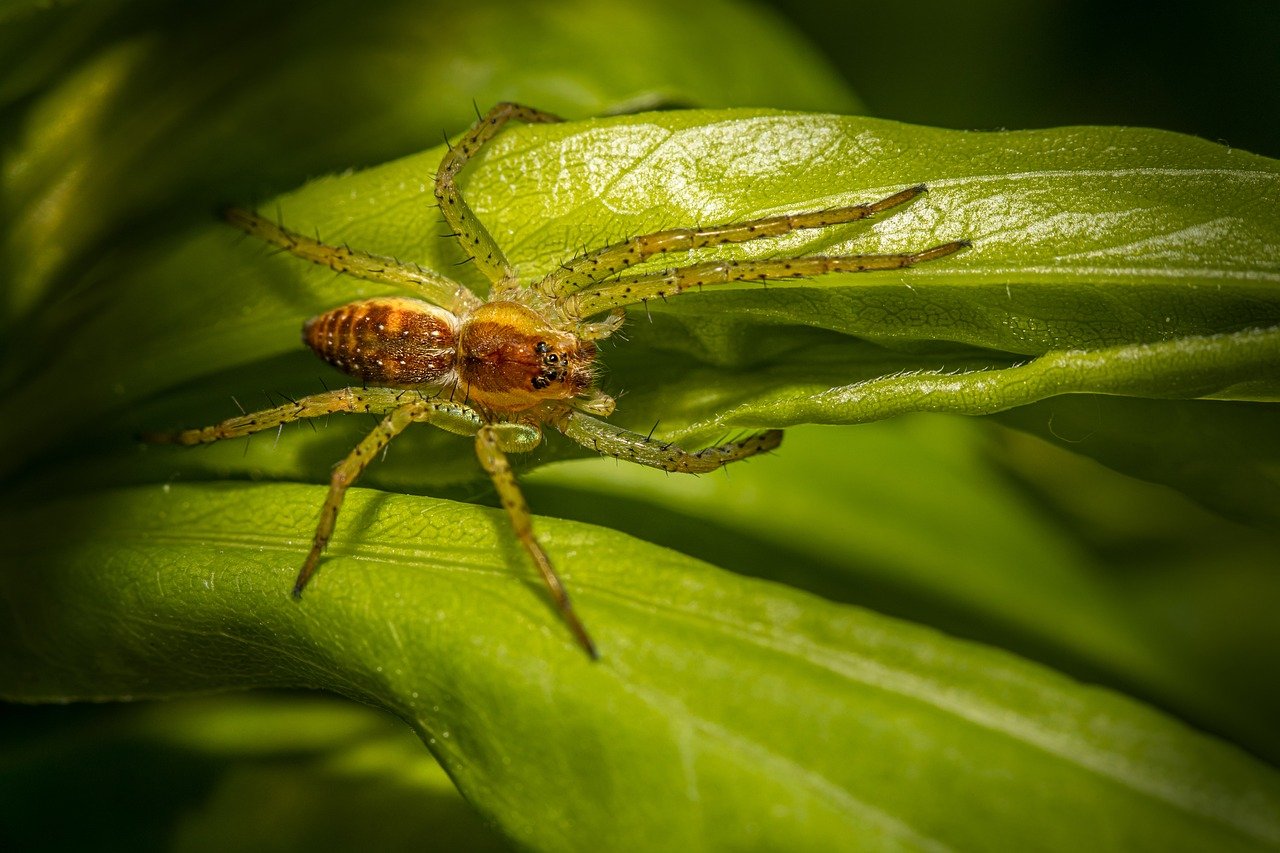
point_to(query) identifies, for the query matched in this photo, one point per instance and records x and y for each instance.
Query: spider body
(500, 369)
(501, 357)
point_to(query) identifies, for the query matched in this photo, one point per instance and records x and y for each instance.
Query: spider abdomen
(389, 340)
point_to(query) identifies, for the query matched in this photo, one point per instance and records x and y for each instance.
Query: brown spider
(502, 368)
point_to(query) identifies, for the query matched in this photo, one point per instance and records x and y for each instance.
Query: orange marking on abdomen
(390, 340)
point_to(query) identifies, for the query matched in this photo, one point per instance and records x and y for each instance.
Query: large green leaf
(726, 713)
(1105, 261)
(995, 537)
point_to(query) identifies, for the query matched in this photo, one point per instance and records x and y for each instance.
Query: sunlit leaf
(1111, 262)
(794, 723)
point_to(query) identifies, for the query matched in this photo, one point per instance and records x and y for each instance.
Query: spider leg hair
(602, 264)
(374, 400)
(432, 286)
(472, 235)
(446, 415)
(609, 440)
(345, 473)
(630, 290)
(490, 451)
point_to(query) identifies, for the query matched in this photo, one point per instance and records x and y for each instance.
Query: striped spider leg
(499, 369)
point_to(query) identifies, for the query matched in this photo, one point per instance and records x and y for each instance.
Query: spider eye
(540, 347)
(552, 358)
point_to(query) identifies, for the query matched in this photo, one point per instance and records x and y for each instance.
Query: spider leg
(375, 400)
(344, 474)
(401, 409)
(630, 290)
(474, 237)
(430, 285)
(610, 440)
(449, 416)
(453, 417)
(489, 449)
(604, 263)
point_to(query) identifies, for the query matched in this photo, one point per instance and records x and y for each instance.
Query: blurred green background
(1211, 70)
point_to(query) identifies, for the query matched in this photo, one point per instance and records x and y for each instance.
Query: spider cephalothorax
(510, 359)
(501, 369)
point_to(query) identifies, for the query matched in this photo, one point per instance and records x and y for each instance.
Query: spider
(502, 368)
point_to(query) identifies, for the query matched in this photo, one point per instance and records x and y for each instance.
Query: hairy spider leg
(344, 474)
(629, 290)
(571, 300)
(601, 264)
(400, 408)
(489, 449)
(609, 440)
(471, 233)
(431, 286)
(376, 401)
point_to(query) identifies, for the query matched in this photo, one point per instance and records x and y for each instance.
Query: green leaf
(727, 712)
(1105, 261)
(796, 722)
(988, 535)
